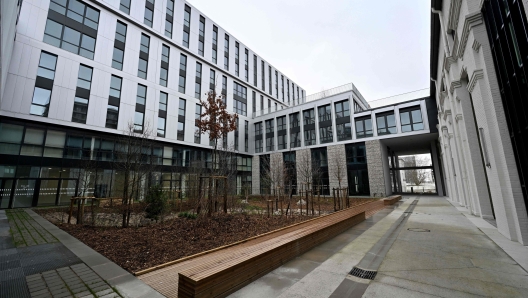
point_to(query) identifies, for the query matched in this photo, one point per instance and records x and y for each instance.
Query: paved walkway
(37, 259)
(426, 247)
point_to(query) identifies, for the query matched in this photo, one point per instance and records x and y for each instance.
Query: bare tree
(134, 162)
(275, 176)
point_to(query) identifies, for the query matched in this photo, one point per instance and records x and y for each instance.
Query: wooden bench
(244, 264)
(391, 200)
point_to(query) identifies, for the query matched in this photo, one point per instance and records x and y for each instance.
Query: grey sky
(380, 46)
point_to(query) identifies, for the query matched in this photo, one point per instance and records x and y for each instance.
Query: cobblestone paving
(26, 231)
(74, 281)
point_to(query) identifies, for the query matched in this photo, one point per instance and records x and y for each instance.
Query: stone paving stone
(100, 288)
(43, 291)
(112, 295)
(45, 295)
(104, 292)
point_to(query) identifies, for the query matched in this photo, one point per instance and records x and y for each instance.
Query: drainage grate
(418, 230)
(362, 273)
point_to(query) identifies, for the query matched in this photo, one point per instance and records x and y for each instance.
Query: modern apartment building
(478, 79)
(78, 74)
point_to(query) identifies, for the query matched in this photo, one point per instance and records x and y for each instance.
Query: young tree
(275, 175)
(134, 162)
(216, 121)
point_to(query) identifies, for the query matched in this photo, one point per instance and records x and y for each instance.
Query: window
(198, 81)
(163, 101)
(293, 93)
(239, 99)
(181, 108)
(164, 70)
(357, 107)
(342, 109)
(270, 133)
(325, 134)
(411, 119)
(143, 56)
(281, 123)
(119, 46)
(294, 120)
(344, 131)
(282, 142)
(215, 44)
(237, 49)
(309, 137)
(255, 70)
(246, 136)
(141, 98)
(288, 90)
(149, 13)
(246, 64)
(282, 87)
(258, 137)
(275, 107)
(161, 127)
(201, 36)
(181, 120)
(308, 117)
(80, 105)
(236, 134)
(186, 25)
(386, 124)
(226, 52)
(162, 114)
(212, 80)
(112, 112)
(181, 131)
(43, 85)
(124, 6)
(263, 76)
(363, 127)
(325, 113)
(169, 17)
(183, 73)
(254, 102)
(277, 84)
(295, 138)
(197, 116)
(69, 39)
(269, 81)
(224, 88)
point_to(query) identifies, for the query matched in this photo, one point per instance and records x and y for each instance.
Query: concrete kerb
(127, 284)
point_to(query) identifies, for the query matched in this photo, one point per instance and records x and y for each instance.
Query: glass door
(6, 186)
(24, 193)
(47, 194)
(68, 188)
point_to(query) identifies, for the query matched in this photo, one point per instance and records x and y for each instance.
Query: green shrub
(187, 215)
(156, 201)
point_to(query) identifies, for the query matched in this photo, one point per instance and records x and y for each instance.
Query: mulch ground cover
(143, 247)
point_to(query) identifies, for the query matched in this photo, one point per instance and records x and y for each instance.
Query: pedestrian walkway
(37, 259)
(426, 247)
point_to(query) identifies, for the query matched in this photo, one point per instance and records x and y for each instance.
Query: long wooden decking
(222, 271)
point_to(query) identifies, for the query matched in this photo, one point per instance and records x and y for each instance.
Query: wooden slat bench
(221, 271)
(391, 200)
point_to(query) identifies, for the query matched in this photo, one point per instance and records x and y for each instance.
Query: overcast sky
(380, 46)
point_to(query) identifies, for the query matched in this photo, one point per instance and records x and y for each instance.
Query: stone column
(376, 173)
(255, 175)
(337, 166)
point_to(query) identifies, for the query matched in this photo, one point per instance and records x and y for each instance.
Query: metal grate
(362, 273)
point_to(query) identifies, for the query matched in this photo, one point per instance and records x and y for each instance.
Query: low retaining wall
(391, 200)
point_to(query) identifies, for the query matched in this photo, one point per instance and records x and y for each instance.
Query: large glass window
(161, 127)
(309, 137)
(215, 44)
(344, 131)
(58, 34)
(308, 117)
(112, 112)
(325, 134)
(258, 137)
(164, 71)
(282, 142)
(281, 123)
(10, 138)
(198, 82)
(186, 25)
(239, 99)
(201, 37)
(386, 123)
(163, 101)
(411, 119)
(226, 52)
(342, 109)
(325, 113)
(295, 139)
(363, 127)
(169, 18)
